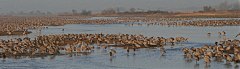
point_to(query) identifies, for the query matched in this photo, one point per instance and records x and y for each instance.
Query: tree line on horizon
(224, 6)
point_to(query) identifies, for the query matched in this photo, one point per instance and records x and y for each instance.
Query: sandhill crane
(237, 35)
(207, 59)
(112, 52)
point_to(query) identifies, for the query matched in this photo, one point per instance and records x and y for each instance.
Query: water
(149, 58)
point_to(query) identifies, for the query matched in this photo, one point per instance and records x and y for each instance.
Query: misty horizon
(98, 5)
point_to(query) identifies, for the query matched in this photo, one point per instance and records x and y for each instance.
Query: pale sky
(68, 5)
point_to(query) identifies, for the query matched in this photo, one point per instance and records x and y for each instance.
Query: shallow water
(143, 59)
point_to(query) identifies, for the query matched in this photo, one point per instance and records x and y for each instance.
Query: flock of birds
(228, 50)
(81, 43)
(11, 24)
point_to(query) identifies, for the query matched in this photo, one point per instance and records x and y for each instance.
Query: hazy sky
(68, 5)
